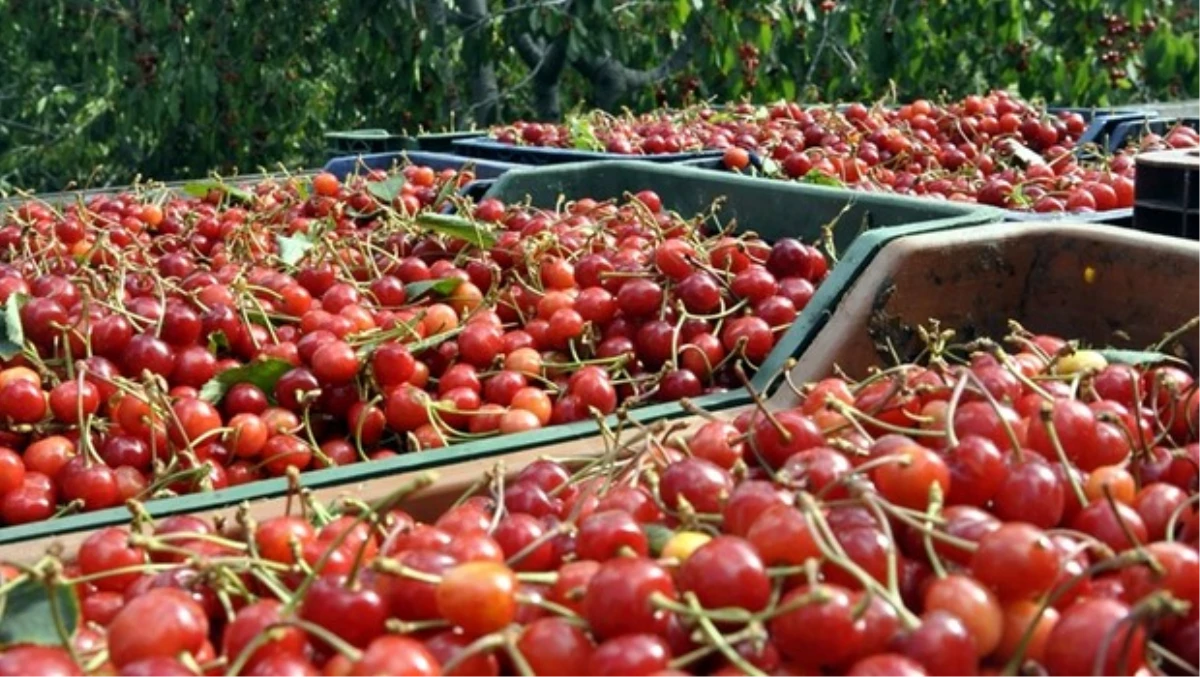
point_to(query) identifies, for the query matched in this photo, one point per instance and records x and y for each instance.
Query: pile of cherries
(988, 512)
(994, 149)
(171, 344)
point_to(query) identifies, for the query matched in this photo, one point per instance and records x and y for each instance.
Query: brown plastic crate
(976, 279)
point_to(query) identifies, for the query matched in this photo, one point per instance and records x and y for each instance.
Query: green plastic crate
(772, 209)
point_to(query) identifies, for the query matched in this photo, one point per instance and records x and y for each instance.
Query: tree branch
(481, 70)
(528, 49)
(612, 80)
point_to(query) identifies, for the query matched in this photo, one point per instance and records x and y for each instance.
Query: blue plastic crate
(1104, 122)
(483, 147)
(364, 141)
(1132, 131)
(484, 169)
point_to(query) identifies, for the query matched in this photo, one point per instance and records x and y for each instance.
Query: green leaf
(217, 342)
(441, 287)
(28, 618)
(657, 537)
(201, 189)
(1138, 358)
(450, 187)
(292, 248)
(12, 339)
(263, 373)
(819, 178)
(458, 228)
(424, 344)
(385, 191)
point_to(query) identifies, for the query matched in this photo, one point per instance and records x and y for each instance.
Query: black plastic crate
(1167, 193)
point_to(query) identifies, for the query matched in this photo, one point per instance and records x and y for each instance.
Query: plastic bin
(771, 209)
(484, 147)
(973, 280)
(360, 141)
(1118, 217)
(1131, 132)
(1103, 122)
(72, 195)
(484, 169)
(1167, 193)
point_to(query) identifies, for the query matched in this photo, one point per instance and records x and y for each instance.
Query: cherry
(886, 664)
(449, 645)
(818, 627)
(619, 599)
(726, 572)
(603, 535)
(553, 646)
(180, 625)
(397, 655)
(31, 659)
(356, 614)
(977, 471)
(1095, 635)
(1017, 561)
(478, 597)
(109, 550)
(634, 654)
(942, 645)
(973, 604)
(703, 485)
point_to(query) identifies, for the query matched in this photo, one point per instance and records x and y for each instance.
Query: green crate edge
(798, 336)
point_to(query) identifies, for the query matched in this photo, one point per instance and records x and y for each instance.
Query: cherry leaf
(12, 338)
(1139, 358)
(262, 373)
(28, 617)
(292, 248)
(385, 191)
(439, 287)
(458, 228)
(201, 189)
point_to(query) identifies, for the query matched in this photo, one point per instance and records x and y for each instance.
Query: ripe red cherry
(335, 362)
(604, 535)
(109, 550)
(1095, 634)
(702, 484)
(726, 572)
(356, 614)
(618, 598)
(179, 625)
(1017, 561)
(254, 619)
(553, 646)
(37, 660)
(397, 655)
(819, 627)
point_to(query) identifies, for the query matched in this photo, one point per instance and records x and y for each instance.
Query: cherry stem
(1128, 558)
(489, 642)
(1048, 423)
(717, 639)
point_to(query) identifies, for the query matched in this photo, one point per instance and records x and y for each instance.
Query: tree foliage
(98, 91)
